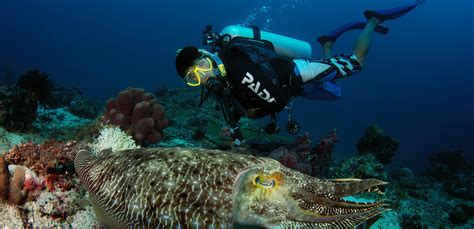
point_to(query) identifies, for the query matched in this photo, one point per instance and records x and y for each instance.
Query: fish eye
(265, 183)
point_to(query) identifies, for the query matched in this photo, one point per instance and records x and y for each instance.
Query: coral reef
(41, 174)
(455, 171)
(138, 113)
(74, 100)
(300, 155)
(461, 214)
(17, 109)
(8, 140)
(85, 219)
(52, 160)
(412, 221)
(447, 163)
(38, 84)
(58, 204)
(359, 166)
(290, 159)
(17, 183)
(401, 173)
(58, 123)
(323, 155)
(10, 216)
(188, 121)
(375, 142)
(113, 138)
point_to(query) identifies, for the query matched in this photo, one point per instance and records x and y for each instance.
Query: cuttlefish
(200, 188)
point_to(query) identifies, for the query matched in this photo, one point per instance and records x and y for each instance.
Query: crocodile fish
(200, 188)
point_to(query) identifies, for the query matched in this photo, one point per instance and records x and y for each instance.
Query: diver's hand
(215, 86)
(237, 136)
(252, 112)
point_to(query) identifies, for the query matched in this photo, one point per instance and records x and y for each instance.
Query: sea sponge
(138, 113)
(113, 138)
(4, 179)
(16, 193)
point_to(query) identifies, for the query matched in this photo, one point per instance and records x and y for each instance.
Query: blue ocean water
(417, 84)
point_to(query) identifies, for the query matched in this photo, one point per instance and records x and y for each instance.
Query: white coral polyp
(114, 138)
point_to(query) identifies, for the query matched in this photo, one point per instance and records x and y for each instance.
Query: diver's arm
(253, 112)
(232, 117)
(229, 111)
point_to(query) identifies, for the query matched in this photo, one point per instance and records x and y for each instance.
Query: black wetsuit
(266, 85)
(260, 78)
(257, 77)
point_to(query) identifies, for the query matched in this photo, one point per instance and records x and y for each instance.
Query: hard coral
(37, 83)
(138, 113)
(375, 142)
(52, 159)
(17, 109)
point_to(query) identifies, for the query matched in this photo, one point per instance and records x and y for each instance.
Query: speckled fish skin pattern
(199, 188)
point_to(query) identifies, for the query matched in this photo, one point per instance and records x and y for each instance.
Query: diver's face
(200, 73)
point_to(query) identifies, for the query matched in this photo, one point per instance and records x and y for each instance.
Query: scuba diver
(255, 73)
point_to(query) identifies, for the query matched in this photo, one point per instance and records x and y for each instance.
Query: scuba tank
(285, 46)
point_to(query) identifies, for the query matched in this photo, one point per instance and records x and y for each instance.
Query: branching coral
(138, 113)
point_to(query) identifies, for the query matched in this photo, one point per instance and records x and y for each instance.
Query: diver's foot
(390, 14)
(333, 35)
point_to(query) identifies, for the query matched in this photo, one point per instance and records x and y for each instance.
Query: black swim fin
(393, 13)
(333, 35)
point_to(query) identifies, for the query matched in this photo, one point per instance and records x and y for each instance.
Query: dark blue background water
(417, 85)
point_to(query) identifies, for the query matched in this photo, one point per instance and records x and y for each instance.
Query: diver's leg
(365, 40)
(328, 40)
(327, 47)
(334, 34)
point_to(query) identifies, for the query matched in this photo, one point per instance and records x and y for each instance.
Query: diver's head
(196, 66)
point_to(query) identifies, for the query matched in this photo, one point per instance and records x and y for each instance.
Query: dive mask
(203, 66)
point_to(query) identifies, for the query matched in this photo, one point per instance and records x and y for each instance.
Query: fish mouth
(320, 203)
